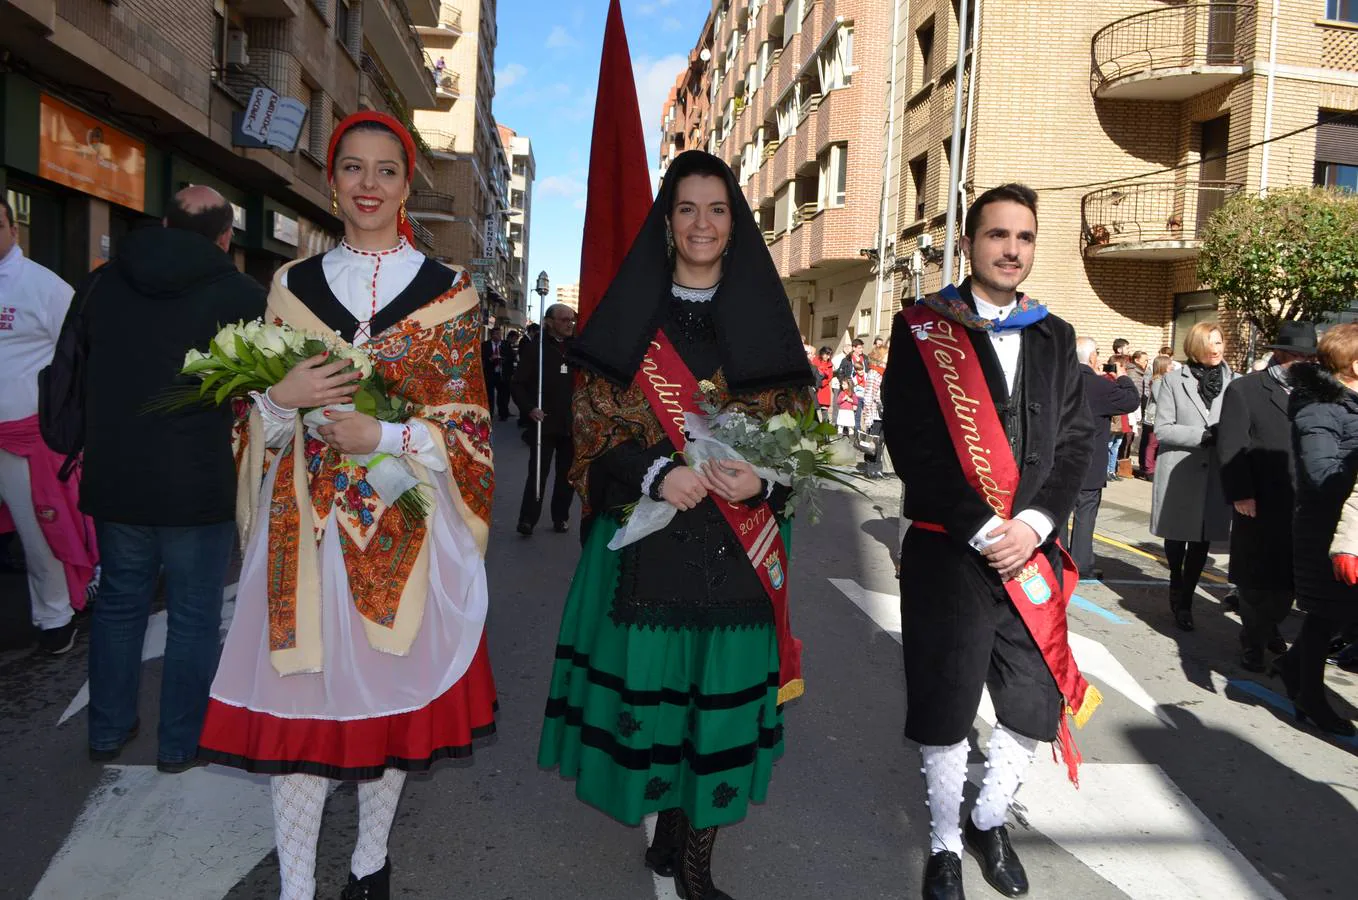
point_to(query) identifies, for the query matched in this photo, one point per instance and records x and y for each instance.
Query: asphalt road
(1196, 782)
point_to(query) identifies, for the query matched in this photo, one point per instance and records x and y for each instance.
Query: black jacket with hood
(167, 292)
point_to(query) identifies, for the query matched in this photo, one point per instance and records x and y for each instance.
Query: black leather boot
(999, 863)
(943, 877)
(693, 878)
(376, 886)
(662, 857)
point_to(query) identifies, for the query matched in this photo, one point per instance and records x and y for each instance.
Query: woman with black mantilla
(666, 694)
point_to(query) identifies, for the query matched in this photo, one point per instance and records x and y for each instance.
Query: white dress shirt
(1007, 346)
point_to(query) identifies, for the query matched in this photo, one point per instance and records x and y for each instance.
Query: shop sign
(237, 217)
(479, 282)
(492, 226)
(82, 152)
(483, 261)
(272, 120)
(282, 228)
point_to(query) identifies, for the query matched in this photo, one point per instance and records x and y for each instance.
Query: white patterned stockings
(298, 801)
(945, 774)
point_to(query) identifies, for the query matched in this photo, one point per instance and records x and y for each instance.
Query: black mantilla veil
(757, 337)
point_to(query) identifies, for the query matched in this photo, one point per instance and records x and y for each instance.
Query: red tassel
(1070, 754)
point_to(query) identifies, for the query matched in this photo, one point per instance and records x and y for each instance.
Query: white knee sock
(1009, 755)
(945, 772)
(376, 810)
(297, 804)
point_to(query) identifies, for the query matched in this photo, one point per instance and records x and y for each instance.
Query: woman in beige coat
(1189, 508)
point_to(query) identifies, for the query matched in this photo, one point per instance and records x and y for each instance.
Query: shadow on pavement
(1280, 820)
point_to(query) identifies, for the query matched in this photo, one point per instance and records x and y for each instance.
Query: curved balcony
(1172, 53)
(430, 204)
(448, 24)
(1150, 220)
(446, 88)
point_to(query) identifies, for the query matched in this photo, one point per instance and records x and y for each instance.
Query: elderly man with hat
(1254, 440)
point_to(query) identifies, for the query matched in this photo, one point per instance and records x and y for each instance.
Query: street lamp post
(541, 290)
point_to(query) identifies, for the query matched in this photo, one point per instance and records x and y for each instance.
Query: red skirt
(355, 749)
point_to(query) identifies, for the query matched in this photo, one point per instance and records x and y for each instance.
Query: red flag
(619, 177)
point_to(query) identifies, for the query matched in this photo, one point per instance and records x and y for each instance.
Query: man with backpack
(58, 546)
(160, 486)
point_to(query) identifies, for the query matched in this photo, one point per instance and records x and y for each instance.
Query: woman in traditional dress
(357, 651)
(674, 656)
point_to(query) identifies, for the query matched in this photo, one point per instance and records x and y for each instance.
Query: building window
(316, 122)
(924, 62)
(835, 63)
(864, 321)
(1337, 176)
(792, 19)
(919, 173)
(829, 327)
(834, 175)
(516, 199)
(782, 210)
(957, 19)
(218, 33)
(1341, 10)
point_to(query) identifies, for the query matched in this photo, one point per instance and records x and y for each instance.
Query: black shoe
(1252, 659)
(1231, 601)
(561, 527)
(999, 863)
(663, 861)
(943, 877)
(1286, 668)
(1347, 659)
(103, 756)
(376, 886)
(525, 529)
(1323, 717)
(56, 641)
(178, 768)
(1276, 644)
(1183, 611)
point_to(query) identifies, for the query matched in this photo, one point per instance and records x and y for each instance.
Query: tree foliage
(1290, 255)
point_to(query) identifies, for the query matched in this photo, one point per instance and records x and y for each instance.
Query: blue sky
(547, 71)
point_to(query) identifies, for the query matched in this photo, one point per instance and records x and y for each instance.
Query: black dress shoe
(1323, 717)
(1252, 659)
(561, 527)
(943, 877)
(376, 886)
(662, 860)
(999, 863)
(1276, 644)
(525, 529)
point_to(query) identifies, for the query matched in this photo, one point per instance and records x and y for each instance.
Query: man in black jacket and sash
(989, 431)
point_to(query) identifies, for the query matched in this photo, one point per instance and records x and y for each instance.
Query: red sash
(672, 391)
(947, 350)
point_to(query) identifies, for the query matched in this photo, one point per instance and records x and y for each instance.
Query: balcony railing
(1173, 52)
(440, 141)
(430, 201)
(446, 83)
(450, 18)
(1150, 219)
(237, 82)
(423, 236)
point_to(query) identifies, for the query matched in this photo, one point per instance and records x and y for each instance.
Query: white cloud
(559, 186)
(654, 80)
(510, 75)
(650, 9)
(560, 38)
(672, 24)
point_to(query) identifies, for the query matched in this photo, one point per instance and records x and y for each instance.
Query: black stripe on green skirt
(632, 697)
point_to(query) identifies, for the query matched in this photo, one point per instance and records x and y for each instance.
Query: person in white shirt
(33, 304)
(986, 422)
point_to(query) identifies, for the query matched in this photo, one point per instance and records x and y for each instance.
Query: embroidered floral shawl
(433, 359)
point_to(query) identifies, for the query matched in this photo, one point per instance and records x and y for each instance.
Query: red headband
(407, 142)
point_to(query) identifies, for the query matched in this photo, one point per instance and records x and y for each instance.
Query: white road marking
(152, 647)
(1156, 847)
(163, 837)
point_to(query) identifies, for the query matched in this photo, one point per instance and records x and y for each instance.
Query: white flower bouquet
(795, 450)
(251, 357)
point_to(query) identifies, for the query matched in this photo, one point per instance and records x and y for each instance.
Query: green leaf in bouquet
(212, 379)
(275, 368)
(205, 364)
(248, 357)
(826, 429)
(805, 461)
(227, 389)
(365, 402)
(312, 347)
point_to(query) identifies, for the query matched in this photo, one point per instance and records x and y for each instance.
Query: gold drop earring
(334, 201)
(403, 212)
(669, 241)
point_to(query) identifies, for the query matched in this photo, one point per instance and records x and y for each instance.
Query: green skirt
(648, 719)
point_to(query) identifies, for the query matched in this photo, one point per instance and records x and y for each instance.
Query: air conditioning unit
(236, 46)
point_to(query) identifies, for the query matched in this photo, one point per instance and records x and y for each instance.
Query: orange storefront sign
(83, 153)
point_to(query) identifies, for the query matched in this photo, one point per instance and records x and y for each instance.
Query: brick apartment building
(791, 94)
(108, 109)
(1172, 102)
(522, 172)
(1076, 94)
(468, 206)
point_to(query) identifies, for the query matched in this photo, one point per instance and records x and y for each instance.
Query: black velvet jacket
(1056, 425)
